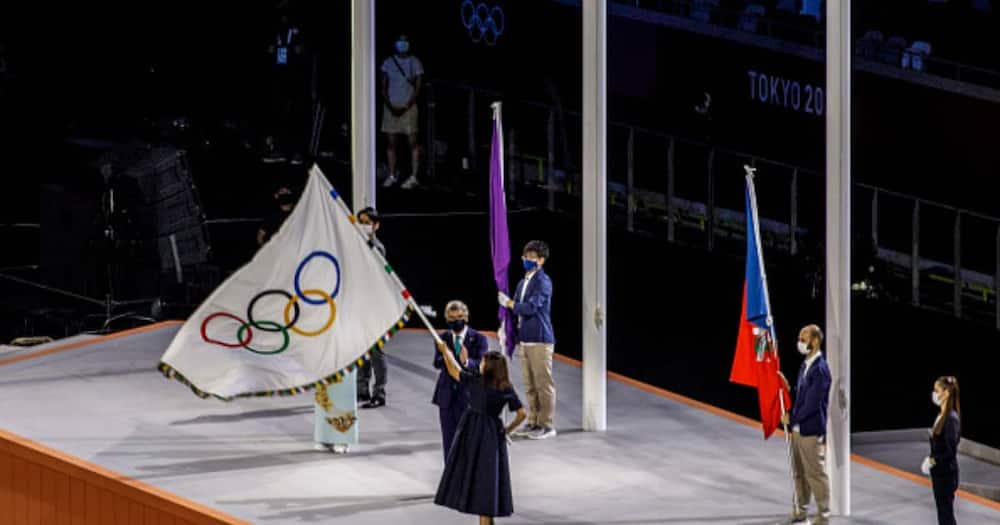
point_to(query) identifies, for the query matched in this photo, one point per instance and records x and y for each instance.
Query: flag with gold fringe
(311, 305)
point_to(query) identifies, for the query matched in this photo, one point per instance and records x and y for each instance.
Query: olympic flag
(309, 306)
(499, 237)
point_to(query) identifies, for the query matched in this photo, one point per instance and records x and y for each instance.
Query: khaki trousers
(808, 457)
(540, 388)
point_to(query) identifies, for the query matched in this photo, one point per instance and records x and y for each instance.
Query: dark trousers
(450, 417)
(377, 362)
(945, 485)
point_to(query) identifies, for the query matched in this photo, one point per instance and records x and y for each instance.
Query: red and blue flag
(756, 361)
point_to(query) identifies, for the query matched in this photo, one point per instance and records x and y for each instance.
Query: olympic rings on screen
(329, 321)
(291, 312)
(302, 265)
(484, 24)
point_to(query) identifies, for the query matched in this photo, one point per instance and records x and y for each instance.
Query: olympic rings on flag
(240, 344)
(483, 23)
(288, 323)
(284, 345)
(329, 321)
(245, 334)
(302, 265)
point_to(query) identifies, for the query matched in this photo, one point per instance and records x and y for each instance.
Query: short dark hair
(817, 332)
(371, 213)
(539, 247)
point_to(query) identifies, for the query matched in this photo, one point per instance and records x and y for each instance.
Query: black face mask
(285, 199)
(457, 325)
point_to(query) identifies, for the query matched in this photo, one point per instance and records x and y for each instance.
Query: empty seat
(892, 51)
(701, 10)
(913, 57)
(869, 45)
(750, 19)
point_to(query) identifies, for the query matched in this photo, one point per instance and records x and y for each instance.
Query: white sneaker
(389, 181)
(543, 433)
(409, 183)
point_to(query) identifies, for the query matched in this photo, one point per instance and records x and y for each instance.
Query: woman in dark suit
(942, 464)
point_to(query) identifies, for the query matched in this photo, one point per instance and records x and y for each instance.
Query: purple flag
(499, 238)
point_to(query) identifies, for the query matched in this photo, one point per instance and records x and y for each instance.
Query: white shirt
(809, 362)
(527, 279)
(400, 89)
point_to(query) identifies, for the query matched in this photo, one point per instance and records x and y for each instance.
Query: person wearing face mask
(402, 80)
(468, 346)
(369, 220)
(286, 201)
(532, 303)
(808, 422)
(942, 464)
(370, 223)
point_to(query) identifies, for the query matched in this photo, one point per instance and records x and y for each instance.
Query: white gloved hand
(503, 299)
(925, 467)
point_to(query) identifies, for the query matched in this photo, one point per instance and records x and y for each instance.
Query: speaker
(168, 208)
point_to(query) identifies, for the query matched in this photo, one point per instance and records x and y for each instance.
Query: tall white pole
(362, 103)
(838, 250)
(594, 189)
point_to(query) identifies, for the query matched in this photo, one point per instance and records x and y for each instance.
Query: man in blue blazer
(532, 304)
(808, 421)
(469, 347)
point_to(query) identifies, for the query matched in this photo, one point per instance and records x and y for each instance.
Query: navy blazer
(811, 399)
(944, 446)
(534, 311)
(448, 391)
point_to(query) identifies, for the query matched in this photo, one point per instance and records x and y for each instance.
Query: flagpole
(788, 446)
(392, 273)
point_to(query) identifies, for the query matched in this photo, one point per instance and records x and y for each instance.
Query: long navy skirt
(476, 477)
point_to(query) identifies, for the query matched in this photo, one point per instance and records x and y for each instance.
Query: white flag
(313, 302)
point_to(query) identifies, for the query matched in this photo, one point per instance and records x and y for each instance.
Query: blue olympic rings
(482, 21)
(244, 335)
(298, 274)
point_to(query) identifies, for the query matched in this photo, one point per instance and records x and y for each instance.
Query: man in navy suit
(808, 421)
(532, 304)
(469, 347)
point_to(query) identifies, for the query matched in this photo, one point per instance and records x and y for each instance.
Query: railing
(691, 192)
(813, 36)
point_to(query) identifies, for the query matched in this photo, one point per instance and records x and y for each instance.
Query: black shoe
(375, 403)
(364, 396)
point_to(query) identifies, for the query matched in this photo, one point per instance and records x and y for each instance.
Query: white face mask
(367, 229)
(803, 348)
(936, 398)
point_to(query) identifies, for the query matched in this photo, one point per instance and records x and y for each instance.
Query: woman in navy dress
(476, 477)
(942, 464)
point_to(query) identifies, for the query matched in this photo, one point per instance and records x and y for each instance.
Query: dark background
(118, 71)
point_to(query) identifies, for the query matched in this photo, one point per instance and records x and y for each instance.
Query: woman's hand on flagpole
(449, 360)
